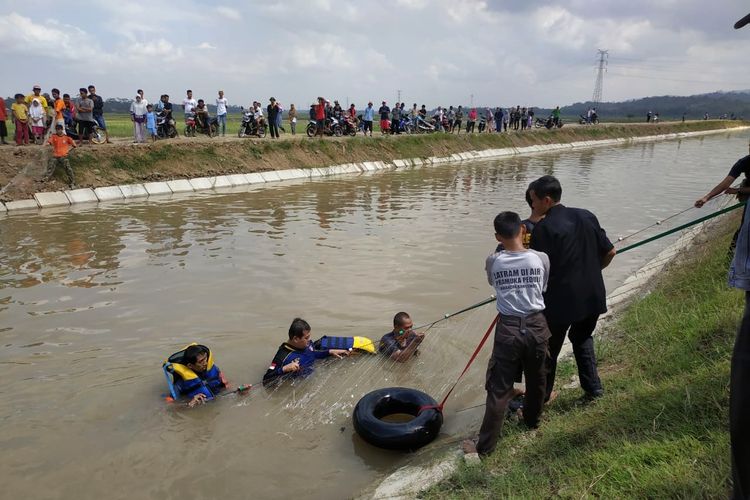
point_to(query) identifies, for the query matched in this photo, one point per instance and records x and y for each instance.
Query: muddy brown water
(94, 298)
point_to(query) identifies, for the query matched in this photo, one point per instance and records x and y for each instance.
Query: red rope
(440, 406)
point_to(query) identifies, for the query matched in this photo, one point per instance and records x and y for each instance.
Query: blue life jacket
(183, 381)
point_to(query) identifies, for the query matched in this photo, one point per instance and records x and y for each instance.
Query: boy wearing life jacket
(196, 377)
(296, 357)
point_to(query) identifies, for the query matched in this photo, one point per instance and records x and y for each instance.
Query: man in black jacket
(578, 250)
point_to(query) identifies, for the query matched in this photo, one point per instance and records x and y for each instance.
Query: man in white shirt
(221, 112)
(188, 104)
(519, 277)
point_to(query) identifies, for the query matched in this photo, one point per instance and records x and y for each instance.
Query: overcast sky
(437, 52)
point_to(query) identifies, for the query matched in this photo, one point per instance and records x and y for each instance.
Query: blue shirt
(369, 113)
(150, 120)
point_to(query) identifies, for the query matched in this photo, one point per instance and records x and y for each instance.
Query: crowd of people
(35, 115)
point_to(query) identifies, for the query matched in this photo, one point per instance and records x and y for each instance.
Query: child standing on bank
(151, 122)
(519, 277)
(61, 145)
(21, 120)
(37, 115)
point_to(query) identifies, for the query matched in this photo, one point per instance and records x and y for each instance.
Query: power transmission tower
(471, 100)
(603, 60)
(398, 99)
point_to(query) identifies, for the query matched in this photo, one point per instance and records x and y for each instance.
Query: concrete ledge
(180, 186)
(254, 178)
(85, 195)
(270, 176)
(53, 199)
(157, 188)
(238, 180)
(3, 208)
(351, 168)
(12, 206)
(315, 172)
(289, 174)
(222, 181)
(130, 191)
(202, 183)
(109, 193)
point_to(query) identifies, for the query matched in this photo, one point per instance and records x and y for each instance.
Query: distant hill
(694, 107)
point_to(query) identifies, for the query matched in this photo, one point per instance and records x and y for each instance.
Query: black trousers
(273, 128)
(739, 408)
(583, 350)
(518, 342)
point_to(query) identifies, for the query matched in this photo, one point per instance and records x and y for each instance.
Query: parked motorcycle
(332, 127)
(549, 123)
(250, 126)
(165, 126)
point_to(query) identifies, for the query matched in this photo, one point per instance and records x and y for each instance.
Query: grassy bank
(170, 159)
(123, 163)
(661, 431)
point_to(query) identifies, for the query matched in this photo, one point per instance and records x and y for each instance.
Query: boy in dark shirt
(296, 357)
(401, 343)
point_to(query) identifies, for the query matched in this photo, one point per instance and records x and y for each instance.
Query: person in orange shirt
(59, 106)
(61, 145)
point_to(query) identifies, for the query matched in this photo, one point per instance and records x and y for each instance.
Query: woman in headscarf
(37, 116)
(138, 116)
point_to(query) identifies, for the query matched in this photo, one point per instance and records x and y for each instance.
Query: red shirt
(320, 112)
(3, 113)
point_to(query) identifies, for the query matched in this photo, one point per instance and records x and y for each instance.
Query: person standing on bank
(742, 166)
(221, 114)
(520, 278)
(292, 115)
(273, 113)
(578, 250)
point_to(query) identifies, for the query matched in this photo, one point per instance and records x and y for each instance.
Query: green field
(660, 431)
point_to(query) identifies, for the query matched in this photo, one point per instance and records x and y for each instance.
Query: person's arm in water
(717, 190)
(405, 354)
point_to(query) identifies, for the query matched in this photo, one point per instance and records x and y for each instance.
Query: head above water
(299, 333)
(196, 358)
(402, 323)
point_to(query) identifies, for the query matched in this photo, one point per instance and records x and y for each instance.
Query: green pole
(680, 228)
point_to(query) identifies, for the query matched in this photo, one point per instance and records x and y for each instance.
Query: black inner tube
(397, 435)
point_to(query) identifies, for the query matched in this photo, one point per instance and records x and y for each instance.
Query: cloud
(229, 13)
(535, 52)
(23, 37)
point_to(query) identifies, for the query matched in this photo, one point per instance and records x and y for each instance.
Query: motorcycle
(193, 126)
(96, 136)
(423, 126)
(165, 126)
(332, 127)
(583, 120)
(250, 126)
(350, 126)
(549, 123)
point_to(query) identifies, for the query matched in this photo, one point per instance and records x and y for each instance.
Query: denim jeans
(222, 122)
